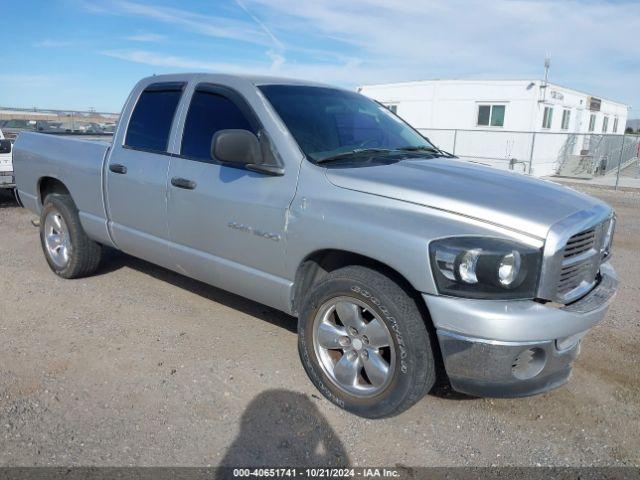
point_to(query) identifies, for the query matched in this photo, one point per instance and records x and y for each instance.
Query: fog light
(529, 363)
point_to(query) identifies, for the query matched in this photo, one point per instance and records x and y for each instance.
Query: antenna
(547, 64)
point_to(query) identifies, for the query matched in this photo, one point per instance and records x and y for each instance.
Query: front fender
(392, 232)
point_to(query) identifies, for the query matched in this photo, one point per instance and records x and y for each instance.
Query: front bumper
(515, 348)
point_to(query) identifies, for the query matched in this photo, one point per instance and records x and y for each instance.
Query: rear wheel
(69, 251)
(364, 344)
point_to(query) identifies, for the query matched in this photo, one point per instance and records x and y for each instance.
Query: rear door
(226, 223)
(136, 176)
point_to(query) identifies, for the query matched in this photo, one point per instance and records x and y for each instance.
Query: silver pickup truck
(400, 261)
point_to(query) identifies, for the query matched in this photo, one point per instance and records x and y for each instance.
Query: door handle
(183, 183)
(118, 168)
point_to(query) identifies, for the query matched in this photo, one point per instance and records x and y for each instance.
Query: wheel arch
(48, 185)
(316, 265)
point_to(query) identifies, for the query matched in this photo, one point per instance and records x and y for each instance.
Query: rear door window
(152, 117)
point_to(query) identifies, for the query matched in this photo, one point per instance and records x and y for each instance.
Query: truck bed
(78, 164)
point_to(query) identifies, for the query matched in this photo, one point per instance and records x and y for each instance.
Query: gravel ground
(140, 366)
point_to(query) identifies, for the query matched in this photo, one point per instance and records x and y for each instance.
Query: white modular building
(529, 125)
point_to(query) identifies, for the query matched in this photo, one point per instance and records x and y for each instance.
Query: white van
(7, 180)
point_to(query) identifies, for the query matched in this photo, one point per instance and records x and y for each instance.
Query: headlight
(509, 269)
(484, 267)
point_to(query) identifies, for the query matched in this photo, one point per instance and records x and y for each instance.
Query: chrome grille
(580, 243)
(571, 277)
(581, 258)
(573, 253)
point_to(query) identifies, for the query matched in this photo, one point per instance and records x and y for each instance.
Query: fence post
(455, 139)
(620, 161)
(533, 142)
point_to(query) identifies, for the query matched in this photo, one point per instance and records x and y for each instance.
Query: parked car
(6, 163)
(394, 255)
(11, 128)
(108, 128)
(49, 126)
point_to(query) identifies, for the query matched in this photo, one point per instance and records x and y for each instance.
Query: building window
(592, 122)
(392, 107)
(605, 124)
(547, 117)
(615, 124)
(491, 115)
(566, 116)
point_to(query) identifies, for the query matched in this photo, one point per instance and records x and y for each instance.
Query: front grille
(580, 243)
(581, 258)
(571, 278)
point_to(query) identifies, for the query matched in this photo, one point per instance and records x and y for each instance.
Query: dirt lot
(141, 366)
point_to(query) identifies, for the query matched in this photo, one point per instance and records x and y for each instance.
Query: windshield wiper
(353, 153)
(415, 148)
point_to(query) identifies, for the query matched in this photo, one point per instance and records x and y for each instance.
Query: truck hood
(504, 198)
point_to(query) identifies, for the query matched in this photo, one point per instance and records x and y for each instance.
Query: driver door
(226, 224)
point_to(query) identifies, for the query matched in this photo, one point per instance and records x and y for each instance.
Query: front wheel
(364, 344)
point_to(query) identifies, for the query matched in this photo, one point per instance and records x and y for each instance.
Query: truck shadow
(283, 428)
(114, 260)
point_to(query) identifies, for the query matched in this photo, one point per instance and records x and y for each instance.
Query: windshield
(327, 122)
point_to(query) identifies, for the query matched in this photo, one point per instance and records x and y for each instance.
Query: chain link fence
(599, 159)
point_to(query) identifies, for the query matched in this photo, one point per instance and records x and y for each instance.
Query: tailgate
(5, 162)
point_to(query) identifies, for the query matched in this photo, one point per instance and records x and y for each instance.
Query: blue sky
(82, 53)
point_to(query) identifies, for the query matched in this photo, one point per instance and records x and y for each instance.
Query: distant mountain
(634, 123)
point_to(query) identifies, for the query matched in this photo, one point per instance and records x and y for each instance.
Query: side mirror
(5, 146)
(241, 148)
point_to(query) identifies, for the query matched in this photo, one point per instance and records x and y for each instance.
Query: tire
(409, 356)
(59, 217)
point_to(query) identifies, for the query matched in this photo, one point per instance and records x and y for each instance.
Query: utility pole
(543, 87)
